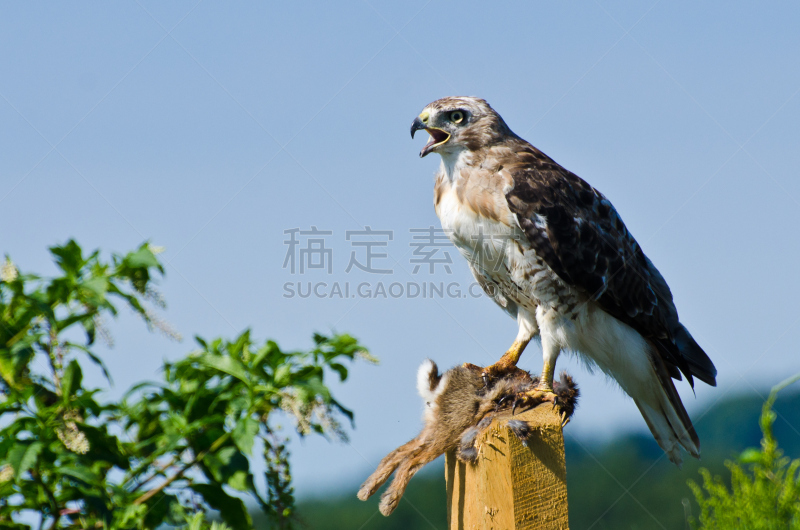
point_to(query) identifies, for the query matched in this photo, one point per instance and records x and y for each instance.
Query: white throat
(453, 161)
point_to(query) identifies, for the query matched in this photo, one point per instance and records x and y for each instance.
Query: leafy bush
(166, 453)
(765, 496)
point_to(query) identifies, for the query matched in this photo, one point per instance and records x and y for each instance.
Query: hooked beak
(438, 136)
(417, 125)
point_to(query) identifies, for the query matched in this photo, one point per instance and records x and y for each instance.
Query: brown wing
(579, 234)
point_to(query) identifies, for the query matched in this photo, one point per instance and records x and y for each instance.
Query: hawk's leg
(507, 363)
(546, 379)
(544, 390)
(550, 351)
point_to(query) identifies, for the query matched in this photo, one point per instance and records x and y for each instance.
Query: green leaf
(239, 347)
(340, 369)
(84, 474)
(95, 289)
(240, 480)
(232, 510)
(143, 257)
(7, 369)
(23, 456)
(104, 447)
(344, 410)
(228, 365)
(71, 381)
(14, 363)
(68, 257)
(99, 362)
(270, 349)
(244, 434)
(223, 464)
(130, 515)
(283, 375)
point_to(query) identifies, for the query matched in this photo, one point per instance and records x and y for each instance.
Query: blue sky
(211, 128)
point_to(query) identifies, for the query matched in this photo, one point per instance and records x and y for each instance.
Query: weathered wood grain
(511, 487)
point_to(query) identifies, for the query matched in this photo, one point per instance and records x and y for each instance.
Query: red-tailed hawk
(554, 254)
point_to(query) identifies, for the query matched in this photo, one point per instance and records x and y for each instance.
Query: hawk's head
(459, 123)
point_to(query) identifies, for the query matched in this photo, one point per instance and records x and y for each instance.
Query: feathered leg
(508, 362)
(544, 390)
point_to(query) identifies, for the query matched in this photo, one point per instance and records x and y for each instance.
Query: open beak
(438, 136)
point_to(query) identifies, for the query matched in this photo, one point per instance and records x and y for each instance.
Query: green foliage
(765, 496)
(167, 453)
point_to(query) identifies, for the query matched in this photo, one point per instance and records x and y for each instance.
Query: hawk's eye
(457, 116)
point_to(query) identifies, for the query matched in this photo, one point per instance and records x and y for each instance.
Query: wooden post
(511, 487)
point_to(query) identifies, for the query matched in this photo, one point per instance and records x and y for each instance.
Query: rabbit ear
(429, 382)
